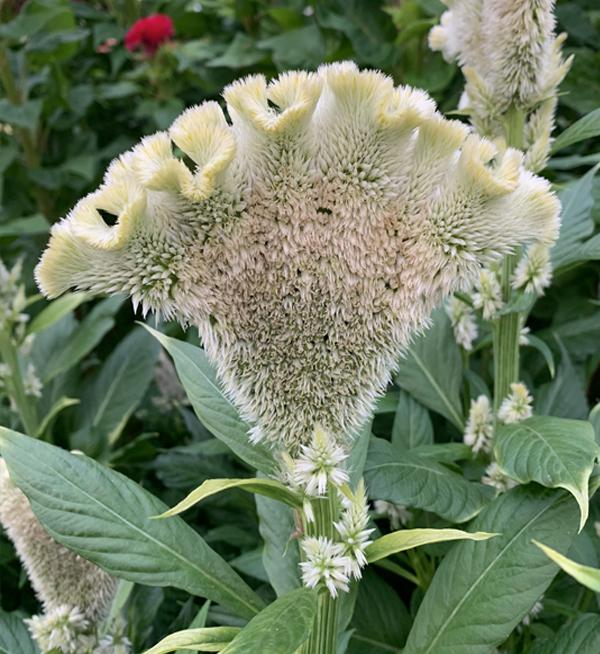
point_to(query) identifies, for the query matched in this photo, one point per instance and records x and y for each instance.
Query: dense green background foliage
(71, 99)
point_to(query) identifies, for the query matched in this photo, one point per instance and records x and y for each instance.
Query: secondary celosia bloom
(480, 425)
(63, 629)
(149, 33)
(325, 565)
(510, 56)
(61, 579)
(312, 237)
(488, 294)
(533, 273)
(516, 406)
(353, 530)
(464, 323)
(319, 464)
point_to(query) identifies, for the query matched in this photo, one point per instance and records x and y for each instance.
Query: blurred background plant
(81, 82)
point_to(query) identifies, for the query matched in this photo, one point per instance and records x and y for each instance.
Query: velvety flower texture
(311, 238)
(149, 33)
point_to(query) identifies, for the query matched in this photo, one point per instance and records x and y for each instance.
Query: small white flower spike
(113, 645)
(464, 323)
(354, 532)
(64, 629)
(32, 384)
(480, 426)
(59, 576)
(398, 514)
(516, 406)
(325, 565)
(533, 273)
(497, 479)
(318, 465)
(488, 294)
(309, 240)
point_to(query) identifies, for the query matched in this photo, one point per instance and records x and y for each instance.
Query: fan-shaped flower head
(62, 580)
(311, 239)
(510, 56)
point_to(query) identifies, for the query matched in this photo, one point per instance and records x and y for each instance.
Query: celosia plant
(311, 238)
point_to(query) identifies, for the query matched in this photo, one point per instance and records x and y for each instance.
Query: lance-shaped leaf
(281, 628)
(554, 452)
(406, 478)
(213, 408)
(579, 636)
(584, 574)
(14, 635)
(406, 539)
(56, 310)
(481, 591)
(268, 487)
(105, 517)
(209, 639)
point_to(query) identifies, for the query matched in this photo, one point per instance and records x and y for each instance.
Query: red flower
(149, 33)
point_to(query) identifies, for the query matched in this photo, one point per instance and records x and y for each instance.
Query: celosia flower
(510, 56)
(397, 514)
(488, 294)
(354, 532)
(310, 241)
(113, 645)
(64, 629)
(495, 477)
(464, 324)
(32, 384)
(480, 425)
(533, 273)
(149, 33)
(325, 564)
(319, 463)
(60, 578)
(12, 297)
(516, 406)
(533, 612)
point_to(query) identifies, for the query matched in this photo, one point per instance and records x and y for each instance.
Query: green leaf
(584, 574)
(281, 628)
(26, 226)
(406, 539)
(576, 223)
(211, 639)
(579, 636)
(406, 478)
(481, 591)
(281, 556)
(215, 411)
(381, 622)
(554, 452)
(119, 387)
(56, 310)
(539, 345)
(105, 517)
(241, 53)
(582, 129)
(85, 338)
(14, 635)
(268, 487)
(412, 424)
(431, 371)
(299, 48)
(25, 115)
(55, 409)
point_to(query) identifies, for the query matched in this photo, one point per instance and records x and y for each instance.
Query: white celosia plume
(516, 406)
(61, 579)
(353, 530)
(533, 273)
(311, 239)
(325, 564)
(464, 323)
(510, 55)
(480, 426)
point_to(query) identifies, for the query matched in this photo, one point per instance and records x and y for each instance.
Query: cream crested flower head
(310, 239)
(60, 578)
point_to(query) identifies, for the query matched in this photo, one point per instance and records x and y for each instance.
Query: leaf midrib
(455, 416)
(466, 596)
(144, 534)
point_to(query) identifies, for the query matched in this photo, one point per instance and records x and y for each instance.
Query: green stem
(323, 639)
(26, 408)
(507, 329)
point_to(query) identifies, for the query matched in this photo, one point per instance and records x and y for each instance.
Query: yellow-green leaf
(406, 539)
(584, 574)
(268, 487)
(210, 639)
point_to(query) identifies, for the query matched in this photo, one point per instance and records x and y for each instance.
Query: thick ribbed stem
(323, 639)
(507, 329)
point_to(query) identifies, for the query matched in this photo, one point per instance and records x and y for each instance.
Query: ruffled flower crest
(308, 241)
